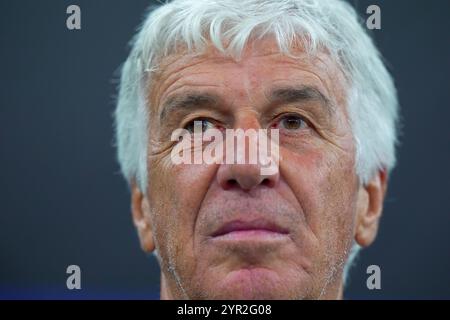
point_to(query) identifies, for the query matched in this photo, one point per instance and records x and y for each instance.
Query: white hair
(330, 25)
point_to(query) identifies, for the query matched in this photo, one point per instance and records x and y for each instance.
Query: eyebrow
(301, 94)
(194, 100)
(187, 101)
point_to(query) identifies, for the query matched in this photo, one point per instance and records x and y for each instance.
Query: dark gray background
(62, 200)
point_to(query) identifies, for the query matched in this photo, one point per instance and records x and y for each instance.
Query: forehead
(260, 67)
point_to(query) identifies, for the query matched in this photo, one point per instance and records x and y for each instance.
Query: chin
(258, 284)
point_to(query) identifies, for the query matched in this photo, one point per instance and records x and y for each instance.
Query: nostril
(267, 182)
(234, 183)
(231, 183)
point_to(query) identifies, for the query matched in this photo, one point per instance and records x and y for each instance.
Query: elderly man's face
(226, 231)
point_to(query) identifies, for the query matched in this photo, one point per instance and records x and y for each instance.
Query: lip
(250, 230)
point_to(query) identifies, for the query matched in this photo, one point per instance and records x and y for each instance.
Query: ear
(140, 210)
(369, 208)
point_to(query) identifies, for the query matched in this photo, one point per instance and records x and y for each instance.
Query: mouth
(259, 230)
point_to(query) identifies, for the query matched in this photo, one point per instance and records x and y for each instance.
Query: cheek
(324, 183)
(175, 194)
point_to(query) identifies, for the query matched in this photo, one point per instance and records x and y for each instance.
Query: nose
(246, 174)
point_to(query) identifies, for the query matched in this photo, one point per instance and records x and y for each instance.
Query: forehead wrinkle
(184, 80)
(162, 80)
(322, 67)
(292, 94)
(311, 72)
(184, 61)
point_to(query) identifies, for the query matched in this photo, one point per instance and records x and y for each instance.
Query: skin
(315, 195)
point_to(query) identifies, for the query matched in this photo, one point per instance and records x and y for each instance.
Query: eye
(292, 122)
(199, 124)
